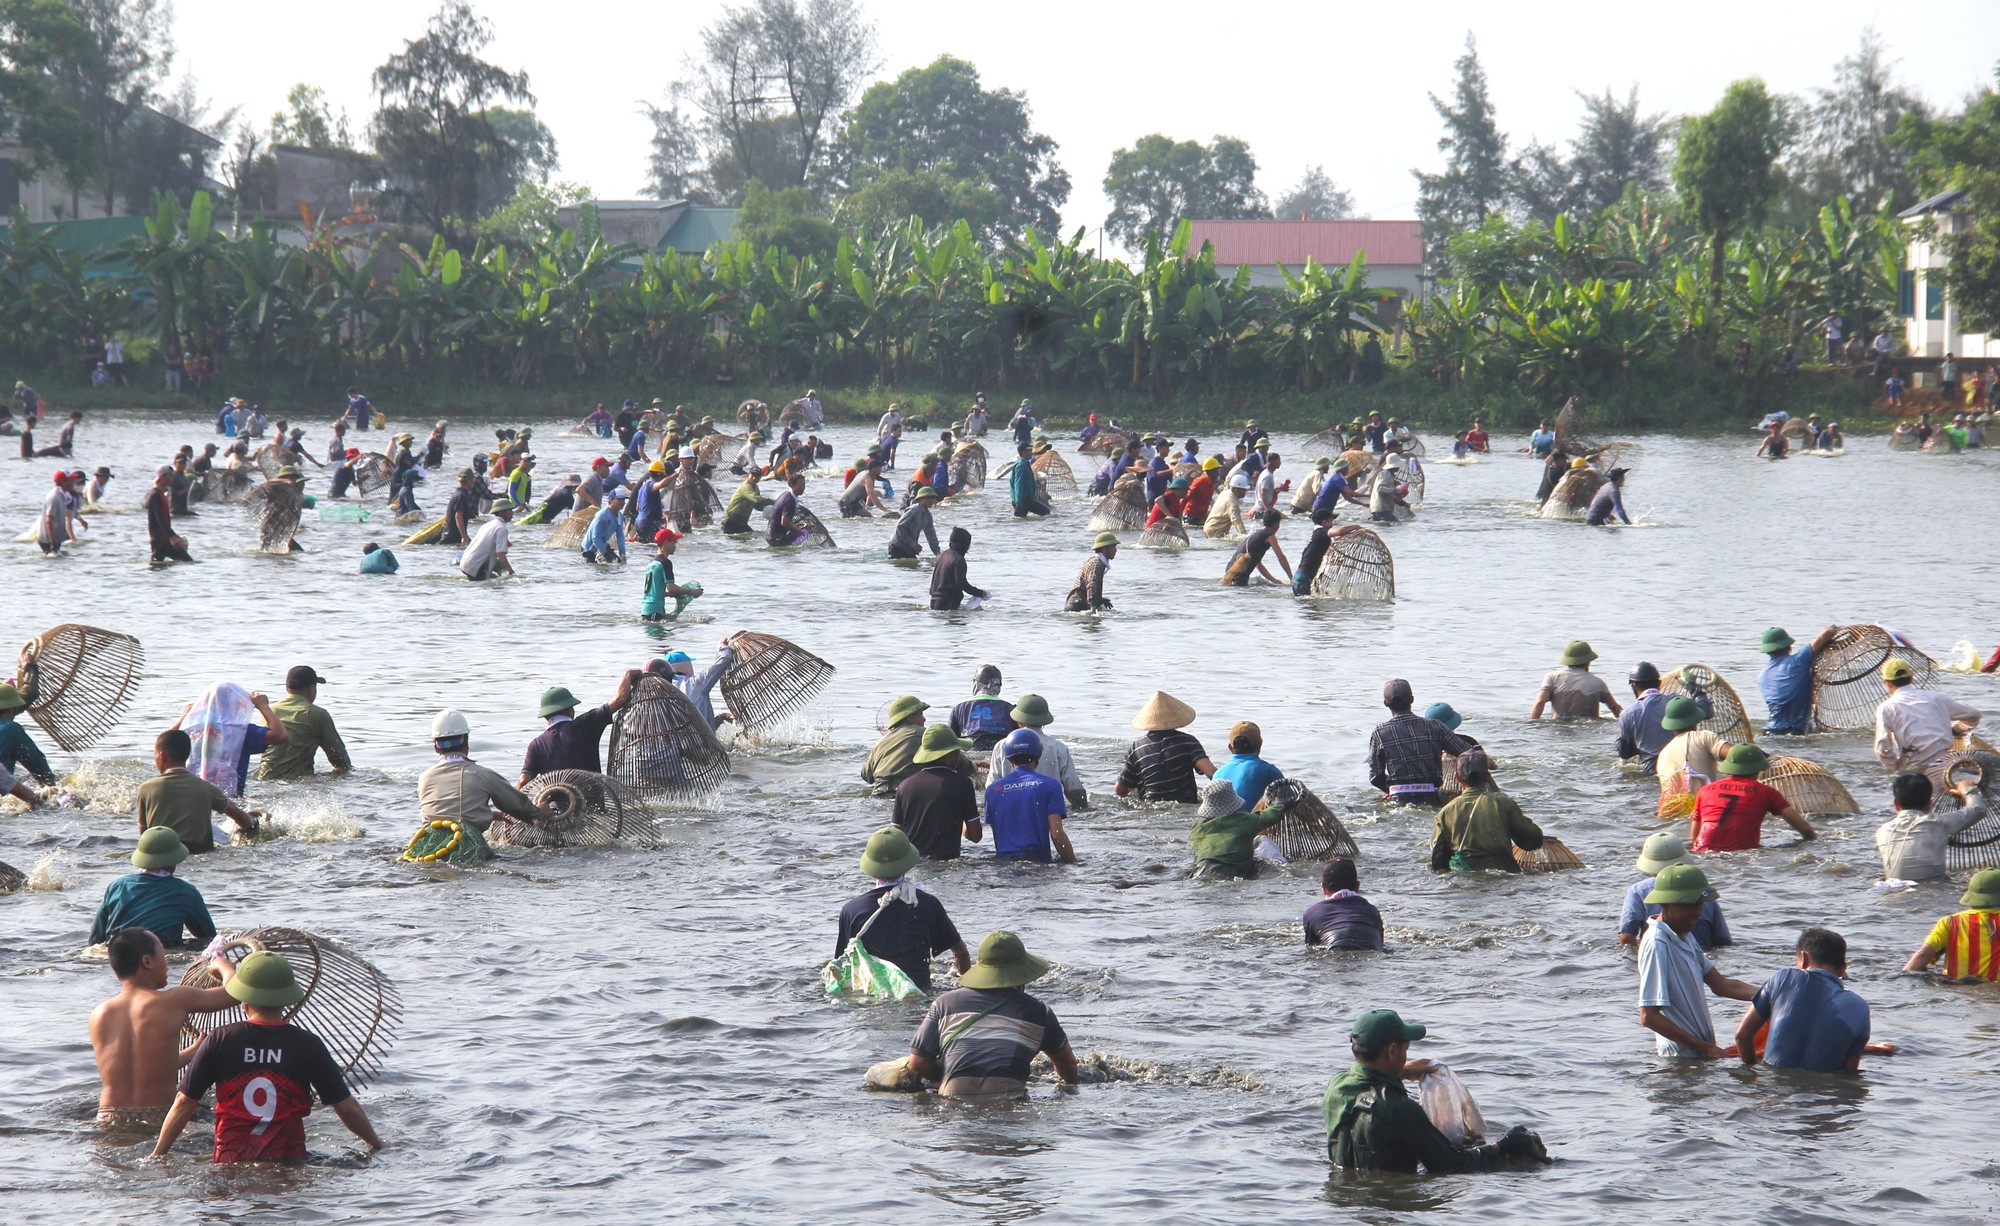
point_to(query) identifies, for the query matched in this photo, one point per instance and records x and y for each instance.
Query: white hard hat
(449, 724)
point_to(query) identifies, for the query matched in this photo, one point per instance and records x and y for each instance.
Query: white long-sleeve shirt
(1912, 844)
(1055, 764)
(1913, 727)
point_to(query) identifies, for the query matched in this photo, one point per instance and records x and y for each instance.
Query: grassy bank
(1701, 401)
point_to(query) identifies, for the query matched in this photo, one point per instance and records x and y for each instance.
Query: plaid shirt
(1161, 766)
(1407, 748)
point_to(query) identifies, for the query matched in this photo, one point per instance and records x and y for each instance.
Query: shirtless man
(136, 1034)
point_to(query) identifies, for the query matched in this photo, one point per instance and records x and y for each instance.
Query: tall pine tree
(1475, 179)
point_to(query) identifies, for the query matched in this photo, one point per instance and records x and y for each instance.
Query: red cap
(664, 535)
(61, 476)
(352, 452)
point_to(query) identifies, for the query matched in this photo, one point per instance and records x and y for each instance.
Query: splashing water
(51, 872)
(1962, 658)
(109, 785)
(317, 824)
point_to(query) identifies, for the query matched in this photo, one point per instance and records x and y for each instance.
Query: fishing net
(448, 842)
(1123, 509)
(1810, 788)
(349, 1004)
(662, 748)
(1550, 857)
(692, 502)
(770, 679)
(277, 507)
(591, 810)
(372, 471)
(1053, 469)
(1310, 830)
(1567, 422)
(1357, 566)
(232, 483)
(1977, 847)
(815, 531)
(968, 466)
(1571, 497)
(1728, 719)
(77, 680)
(1104, 442)
(1847, 676)
(1167, 534)
(569, 533)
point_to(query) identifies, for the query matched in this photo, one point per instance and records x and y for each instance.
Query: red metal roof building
(1395, 249)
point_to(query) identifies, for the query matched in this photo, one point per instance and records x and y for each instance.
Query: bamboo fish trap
(692, 502)
(1054, 470)
(1327, 443)
(349, 1004)
(269, 458)
(569, 533)
(1977, 846)
(1169, 533)
(816, 533)
(968, 466)
(372, 471)
(1123, 509)
(1847, 677)
(1310, 830)
(771, 679)
(1812, 790)
(754, 414)
(1727, 718)
(1357, 566)
(1104, 442)
(663, 749)
(11, 879)
(591, 810)
(1571, 497)
(277, 506)
(1550, 857)
(77, 680)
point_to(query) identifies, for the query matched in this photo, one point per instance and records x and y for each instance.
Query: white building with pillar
(1932, 325)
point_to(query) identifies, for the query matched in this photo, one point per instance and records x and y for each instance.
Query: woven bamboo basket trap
(771, 679)
(816, 533)
(11, 879)
(1727, 718)
(1310, 830)
(1357, 566)
(591, 810)
(77, 680)
(569, 533)
(1976, 847)
(1551, 857)
(1123, 509)
(277, 506)
(1847, 676)
(1809, 786)
(1054, 470)
(1167, 534)
(349, 1004)
(663, 749)
(968, 466)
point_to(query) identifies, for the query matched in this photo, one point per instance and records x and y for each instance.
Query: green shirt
(1484, 825)
(893, 759)
(1228, 844)
(308, 729)
(183, 802)
(736, 516)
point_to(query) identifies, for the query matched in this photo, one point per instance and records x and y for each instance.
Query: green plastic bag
(856, 972)
(343, 513)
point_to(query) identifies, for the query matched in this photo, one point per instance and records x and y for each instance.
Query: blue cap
(1022, 743)
(1443, 714)
(679, 657)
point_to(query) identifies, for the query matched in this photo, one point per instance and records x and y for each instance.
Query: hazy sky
(1332, 82)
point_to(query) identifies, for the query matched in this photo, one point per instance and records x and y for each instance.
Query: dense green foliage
(1158, 182)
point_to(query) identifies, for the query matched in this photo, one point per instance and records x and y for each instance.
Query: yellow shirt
(1970, 943)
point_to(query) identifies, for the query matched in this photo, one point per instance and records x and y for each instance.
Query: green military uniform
(308, 729)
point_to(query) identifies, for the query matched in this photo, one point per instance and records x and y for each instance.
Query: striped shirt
(1406, 750)
(1970, 943)
(1160, 765)
(988, 1032)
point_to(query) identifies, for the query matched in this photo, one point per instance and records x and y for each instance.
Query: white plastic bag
(1449, 1104)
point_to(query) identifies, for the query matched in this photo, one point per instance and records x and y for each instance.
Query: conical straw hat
(1163, 711)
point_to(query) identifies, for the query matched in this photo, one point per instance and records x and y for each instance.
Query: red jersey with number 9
(265, 1077)
(1729, 813)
